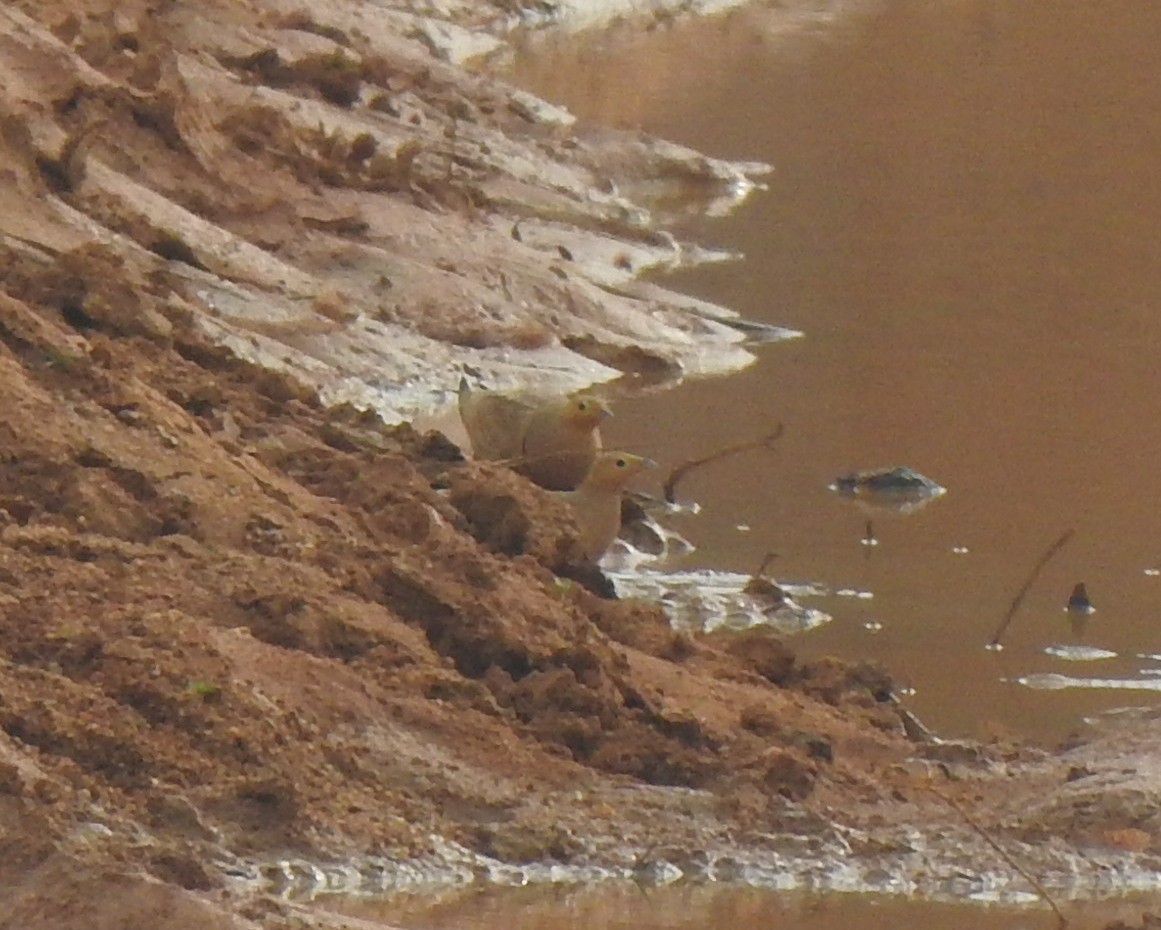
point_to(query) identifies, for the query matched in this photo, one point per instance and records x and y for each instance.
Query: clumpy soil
(241, 626)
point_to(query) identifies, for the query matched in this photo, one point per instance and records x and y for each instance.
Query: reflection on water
(686, 907)
(964, 220)
(708, 600)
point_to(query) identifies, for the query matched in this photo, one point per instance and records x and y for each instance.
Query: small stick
(1027, 876)
(1019, 598)
(680, 471)
(766, 560)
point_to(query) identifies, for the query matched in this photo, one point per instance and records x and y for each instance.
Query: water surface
(696, 907)
(965, 220)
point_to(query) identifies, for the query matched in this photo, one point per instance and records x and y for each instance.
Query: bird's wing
(495, 422)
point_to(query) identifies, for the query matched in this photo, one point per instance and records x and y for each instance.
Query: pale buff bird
(551, 440)
(596, 504)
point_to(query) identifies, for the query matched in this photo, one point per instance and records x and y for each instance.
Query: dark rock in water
(897, 479)
(1078, 602)
(1078, 608)
(899, 488)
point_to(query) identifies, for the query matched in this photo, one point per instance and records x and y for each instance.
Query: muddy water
(964, 220)
(628, 907)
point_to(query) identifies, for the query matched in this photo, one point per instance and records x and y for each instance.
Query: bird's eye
(621, 463)
(582, 406)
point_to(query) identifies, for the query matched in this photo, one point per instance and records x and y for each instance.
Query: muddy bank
(331, 196)
(255, 640)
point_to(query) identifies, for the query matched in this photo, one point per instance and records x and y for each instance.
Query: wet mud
(259, 644)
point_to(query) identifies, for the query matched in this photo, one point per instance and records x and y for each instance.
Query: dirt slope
(238, 626)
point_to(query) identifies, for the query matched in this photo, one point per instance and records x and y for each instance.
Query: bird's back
(495, 422)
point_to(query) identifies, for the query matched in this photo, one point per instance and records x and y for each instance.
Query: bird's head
(613, 470)
(584, 411)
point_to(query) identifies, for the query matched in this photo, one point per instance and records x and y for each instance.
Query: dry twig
(1019, 598)
(1003, 854)
(680, 471)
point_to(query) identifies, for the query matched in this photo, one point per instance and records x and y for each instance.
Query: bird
(596, 503)
(551, 440)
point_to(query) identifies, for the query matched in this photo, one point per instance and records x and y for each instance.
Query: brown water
(965, 221)
(686, 907)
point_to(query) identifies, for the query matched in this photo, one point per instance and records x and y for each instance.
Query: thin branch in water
(1019, 598)
(680, 471)
(767, 561)
(1003, 853)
